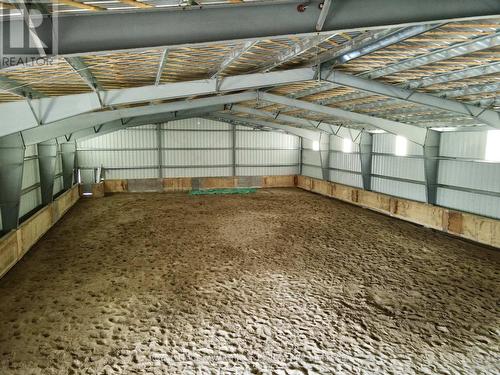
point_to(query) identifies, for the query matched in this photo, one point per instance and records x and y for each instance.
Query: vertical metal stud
(431, 164)
(11, 178)
(365, 154)
(159, 141)
(68, 157)
(324, 154)
(47, 157)
(234, 150)
(300, 155)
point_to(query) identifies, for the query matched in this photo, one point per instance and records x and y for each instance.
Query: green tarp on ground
(223, 191)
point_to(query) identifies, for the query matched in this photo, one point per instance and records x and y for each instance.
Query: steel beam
(96, 119)
(22, 115)
(471, 46)
(412, 133)
(112, 31)
(374, 41)
(234, 55)
(431, 165)
(144, 120)
(454, 75)
(309, 134)
(296, 50)
(68, 155)
(456, 50)
(17, 88)
(339, 131)
(365, 154)
(161, 66)
(489, 117)
(11, 179)
(83, 70)
(47, 157)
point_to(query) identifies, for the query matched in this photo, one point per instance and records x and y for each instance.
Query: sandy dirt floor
(277, 282)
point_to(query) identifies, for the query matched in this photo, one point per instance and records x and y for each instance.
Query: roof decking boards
(451, 53)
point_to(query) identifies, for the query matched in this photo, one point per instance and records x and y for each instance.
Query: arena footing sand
(277, 282)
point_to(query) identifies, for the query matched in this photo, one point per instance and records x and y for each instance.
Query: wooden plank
(473, 227)
(115, 186)
(177, 184)
(278, 181)
(217, 182)
(8, 252)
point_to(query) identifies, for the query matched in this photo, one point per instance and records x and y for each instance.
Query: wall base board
(17, 242)
(195, 183)
(469, 226)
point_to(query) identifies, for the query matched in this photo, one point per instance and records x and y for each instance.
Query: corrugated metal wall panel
(266, 171)
(130, 173)
(196, 157)
(196, 139)
(337, 144)
(311, 157)
(190, 144)
(198, 172)
(345, 161)
(470, 145)
(312, 171)
(58, 185)
(116, 159)
(386, 144)
(470, 202)
(58, 161)
(197, 123)
(346, 178)
(30, 201)
(473, 175)
(259, 139)
(400, 167)
(399, 189)
(30, 150)
(31, 174)
(267, 157)
(127, 138)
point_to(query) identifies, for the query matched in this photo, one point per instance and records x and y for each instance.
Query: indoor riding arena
(249, 187)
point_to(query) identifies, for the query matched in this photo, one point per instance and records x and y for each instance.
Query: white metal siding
(346, 178)
(30, 201)
(399, 189)
(399, 167)
(345, 161)
(190, 148)
(385, 143)
(479, 176)
(470, 202)
(470, 145)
